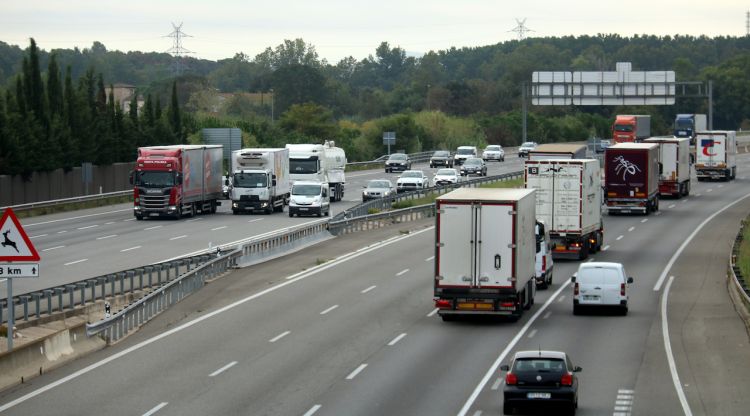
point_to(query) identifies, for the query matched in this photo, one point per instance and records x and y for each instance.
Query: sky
(219, 29)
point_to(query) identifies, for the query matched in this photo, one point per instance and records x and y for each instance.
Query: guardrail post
(71, 293)
(59, 292)
(37, 296)
(150, 270)
(48, 295)
(131, 276)
(121, 275)
(101, 281)
(158, 273)
(82, 286)
(25, 300)
(140, 278)
(111, 278)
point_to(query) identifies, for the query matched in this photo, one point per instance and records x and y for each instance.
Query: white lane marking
(496, 384)
(329, 309)
(353, 200)
(622, 408)
(297, 277)
(546, 315)
(62, 232)
(721, 186)
(132, 219)
(278, 337)
(313, 410)
(177, 238)
(355, 372)
(219, 228)
(68, 264)
(106, 237)
(532, 333)
(626, 391)
(605, 248)
(397, 339)
(671, 206)
(434, 311)
(131, 248)
(492, 371)
(37, 236)
(644, 220)
(194, 219)
(109, 223)
(402, 272)
(659, 282)
(631, 229)
(590, 260)
(709, 190)
(87, 227)
(478, 413)
(223, 369)
(697, 194)
(76, 218)
(665, 298)
(685, 200)
(52, 248)
(152, 228)
(561, 298)
(256, 220)
(623, 402)
(155, 409)
(368, 289)
(431, 258)
(619, 238)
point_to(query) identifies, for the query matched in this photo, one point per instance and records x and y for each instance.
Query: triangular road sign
(14, 243)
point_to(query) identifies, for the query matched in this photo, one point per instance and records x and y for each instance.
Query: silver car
(494, 152)
(377, 188)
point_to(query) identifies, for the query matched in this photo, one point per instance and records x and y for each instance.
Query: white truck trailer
(260, 180)
(569, 203)
(319, 163)
(484, 252)
(716, 155)
(674, 157)
(558, 151)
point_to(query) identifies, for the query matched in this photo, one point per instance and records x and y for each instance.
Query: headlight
(364, 193)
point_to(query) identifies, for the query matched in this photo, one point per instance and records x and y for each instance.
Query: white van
(601, 284)
(544, 263)
(463, 153)
(309, 198)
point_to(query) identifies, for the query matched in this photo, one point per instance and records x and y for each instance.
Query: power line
(177, 50)
(521, 30)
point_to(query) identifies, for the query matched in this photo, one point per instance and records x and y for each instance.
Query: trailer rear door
(496, 240)
(455, 244)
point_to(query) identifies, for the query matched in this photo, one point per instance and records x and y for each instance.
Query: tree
(297, 84)
(309, 120)
(173, 113)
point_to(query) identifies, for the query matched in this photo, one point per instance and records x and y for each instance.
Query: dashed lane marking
(644, 220)
(313, 410)
(155, 409)
(52, 248)
(106, 237)
(431, 314)
(619, 238)
(278, 337)
(177, 238)
(671, 206)
(631, 229)
(605, 248)
(87, 227)
(430, 258)
(129, 249)
(402, 272)
(37, 236)
(397, 339)
(329, 309)
(368, 289)
(532, 333)
(356, 372)
(223, 369)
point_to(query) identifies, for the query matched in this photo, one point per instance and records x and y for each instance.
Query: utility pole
(521, 30)
(177, 50)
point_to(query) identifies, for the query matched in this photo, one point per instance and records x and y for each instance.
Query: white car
(525, 148)
(601, 284)
(445, 177)
(463, 153)
(494, 152)
(411, 180)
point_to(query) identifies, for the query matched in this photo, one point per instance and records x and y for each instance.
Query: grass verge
(743, 258)
(33, 212)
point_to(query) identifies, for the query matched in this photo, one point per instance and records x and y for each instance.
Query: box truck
(674, 161)
(631, 181)
(485, 248)
(686, 125)
(631, 128)
(260, 180)
(558, 151)
(569, 203)
(177, 180)
(716, 155)
(323, 163)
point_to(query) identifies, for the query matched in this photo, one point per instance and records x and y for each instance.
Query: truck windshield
(623, 127)
(155, 179)
(250, 180)
(684, 124)
(465, 151)
(303, 165)
(306, 190)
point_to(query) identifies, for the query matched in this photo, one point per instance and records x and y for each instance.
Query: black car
(441, 158)
(397, 161)
(541, 379)
(474, 166)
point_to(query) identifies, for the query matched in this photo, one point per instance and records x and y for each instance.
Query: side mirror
(178, 179)
(573, 278)
(630, 280)
(273, 182)
(504, 367)
(130, 177)
(577, 369)
(226, 182)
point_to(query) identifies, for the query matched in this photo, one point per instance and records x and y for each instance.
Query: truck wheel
(687, 188)
(734, 173)
(576, 310)
(291, 214)
(656, 204)
(584, 250)
(139, 217)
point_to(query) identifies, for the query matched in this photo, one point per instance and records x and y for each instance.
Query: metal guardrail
(382, 219)
(743, 285)
(415, 157)
(85, 198)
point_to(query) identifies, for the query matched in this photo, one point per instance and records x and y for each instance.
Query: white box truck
(674, 157)
(485, 246)
(716, 155)
(319, 163)
(569, 203)
(260, 180)
(558, 151)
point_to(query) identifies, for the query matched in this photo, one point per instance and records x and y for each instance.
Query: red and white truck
(716, 155)
(569, 203)
(631, 128)
(177, 180)
(484, 252)
(674, 157)
(631, 181)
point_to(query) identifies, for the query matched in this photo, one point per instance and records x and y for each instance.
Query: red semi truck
(631, 182)
(631, 129)
(177, 180)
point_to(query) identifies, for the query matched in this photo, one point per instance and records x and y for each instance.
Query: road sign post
(15, 246)
(389, 138)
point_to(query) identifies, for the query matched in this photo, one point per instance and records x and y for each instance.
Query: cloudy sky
(341, 28)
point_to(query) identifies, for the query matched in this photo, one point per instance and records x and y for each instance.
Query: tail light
(511, 379)
(507, 304)
(544, 263)
(622, 289)
(575, 289)
(442, 304)
(566, 379)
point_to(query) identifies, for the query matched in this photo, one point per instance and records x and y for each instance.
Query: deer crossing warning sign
(15, 245)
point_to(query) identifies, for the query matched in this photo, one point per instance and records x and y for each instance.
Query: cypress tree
(71, 152)
(37, 87)
(175, 119)
(54, 87)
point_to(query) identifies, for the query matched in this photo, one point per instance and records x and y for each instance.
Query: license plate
(538, 395)
(625, 210)
(474, 306)
(153, 214)
(303, 209)
(590, 297)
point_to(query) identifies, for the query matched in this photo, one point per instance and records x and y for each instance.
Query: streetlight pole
(272, 105)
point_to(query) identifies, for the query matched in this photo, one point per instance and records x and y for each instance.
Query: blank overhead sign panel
(620, 87)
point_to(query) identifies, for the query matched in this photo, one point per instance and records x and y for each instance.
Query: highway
(93, 242)
(358, 335)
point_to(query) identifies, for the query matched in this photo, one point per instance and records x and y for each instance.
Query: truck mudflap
(669, 188)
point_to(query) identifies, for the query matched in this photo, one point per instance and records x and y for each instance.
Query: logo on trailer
(625, 167)
(707, 145)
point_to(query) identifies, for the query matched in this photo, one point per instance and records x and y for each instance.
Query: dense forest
(57, 100)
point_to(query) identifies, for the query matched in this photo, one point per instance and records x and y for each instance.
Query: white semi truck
(716, 155)
(260, 180)
(674, 157)
(485, 252)
(319, 163)
(569, 203)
